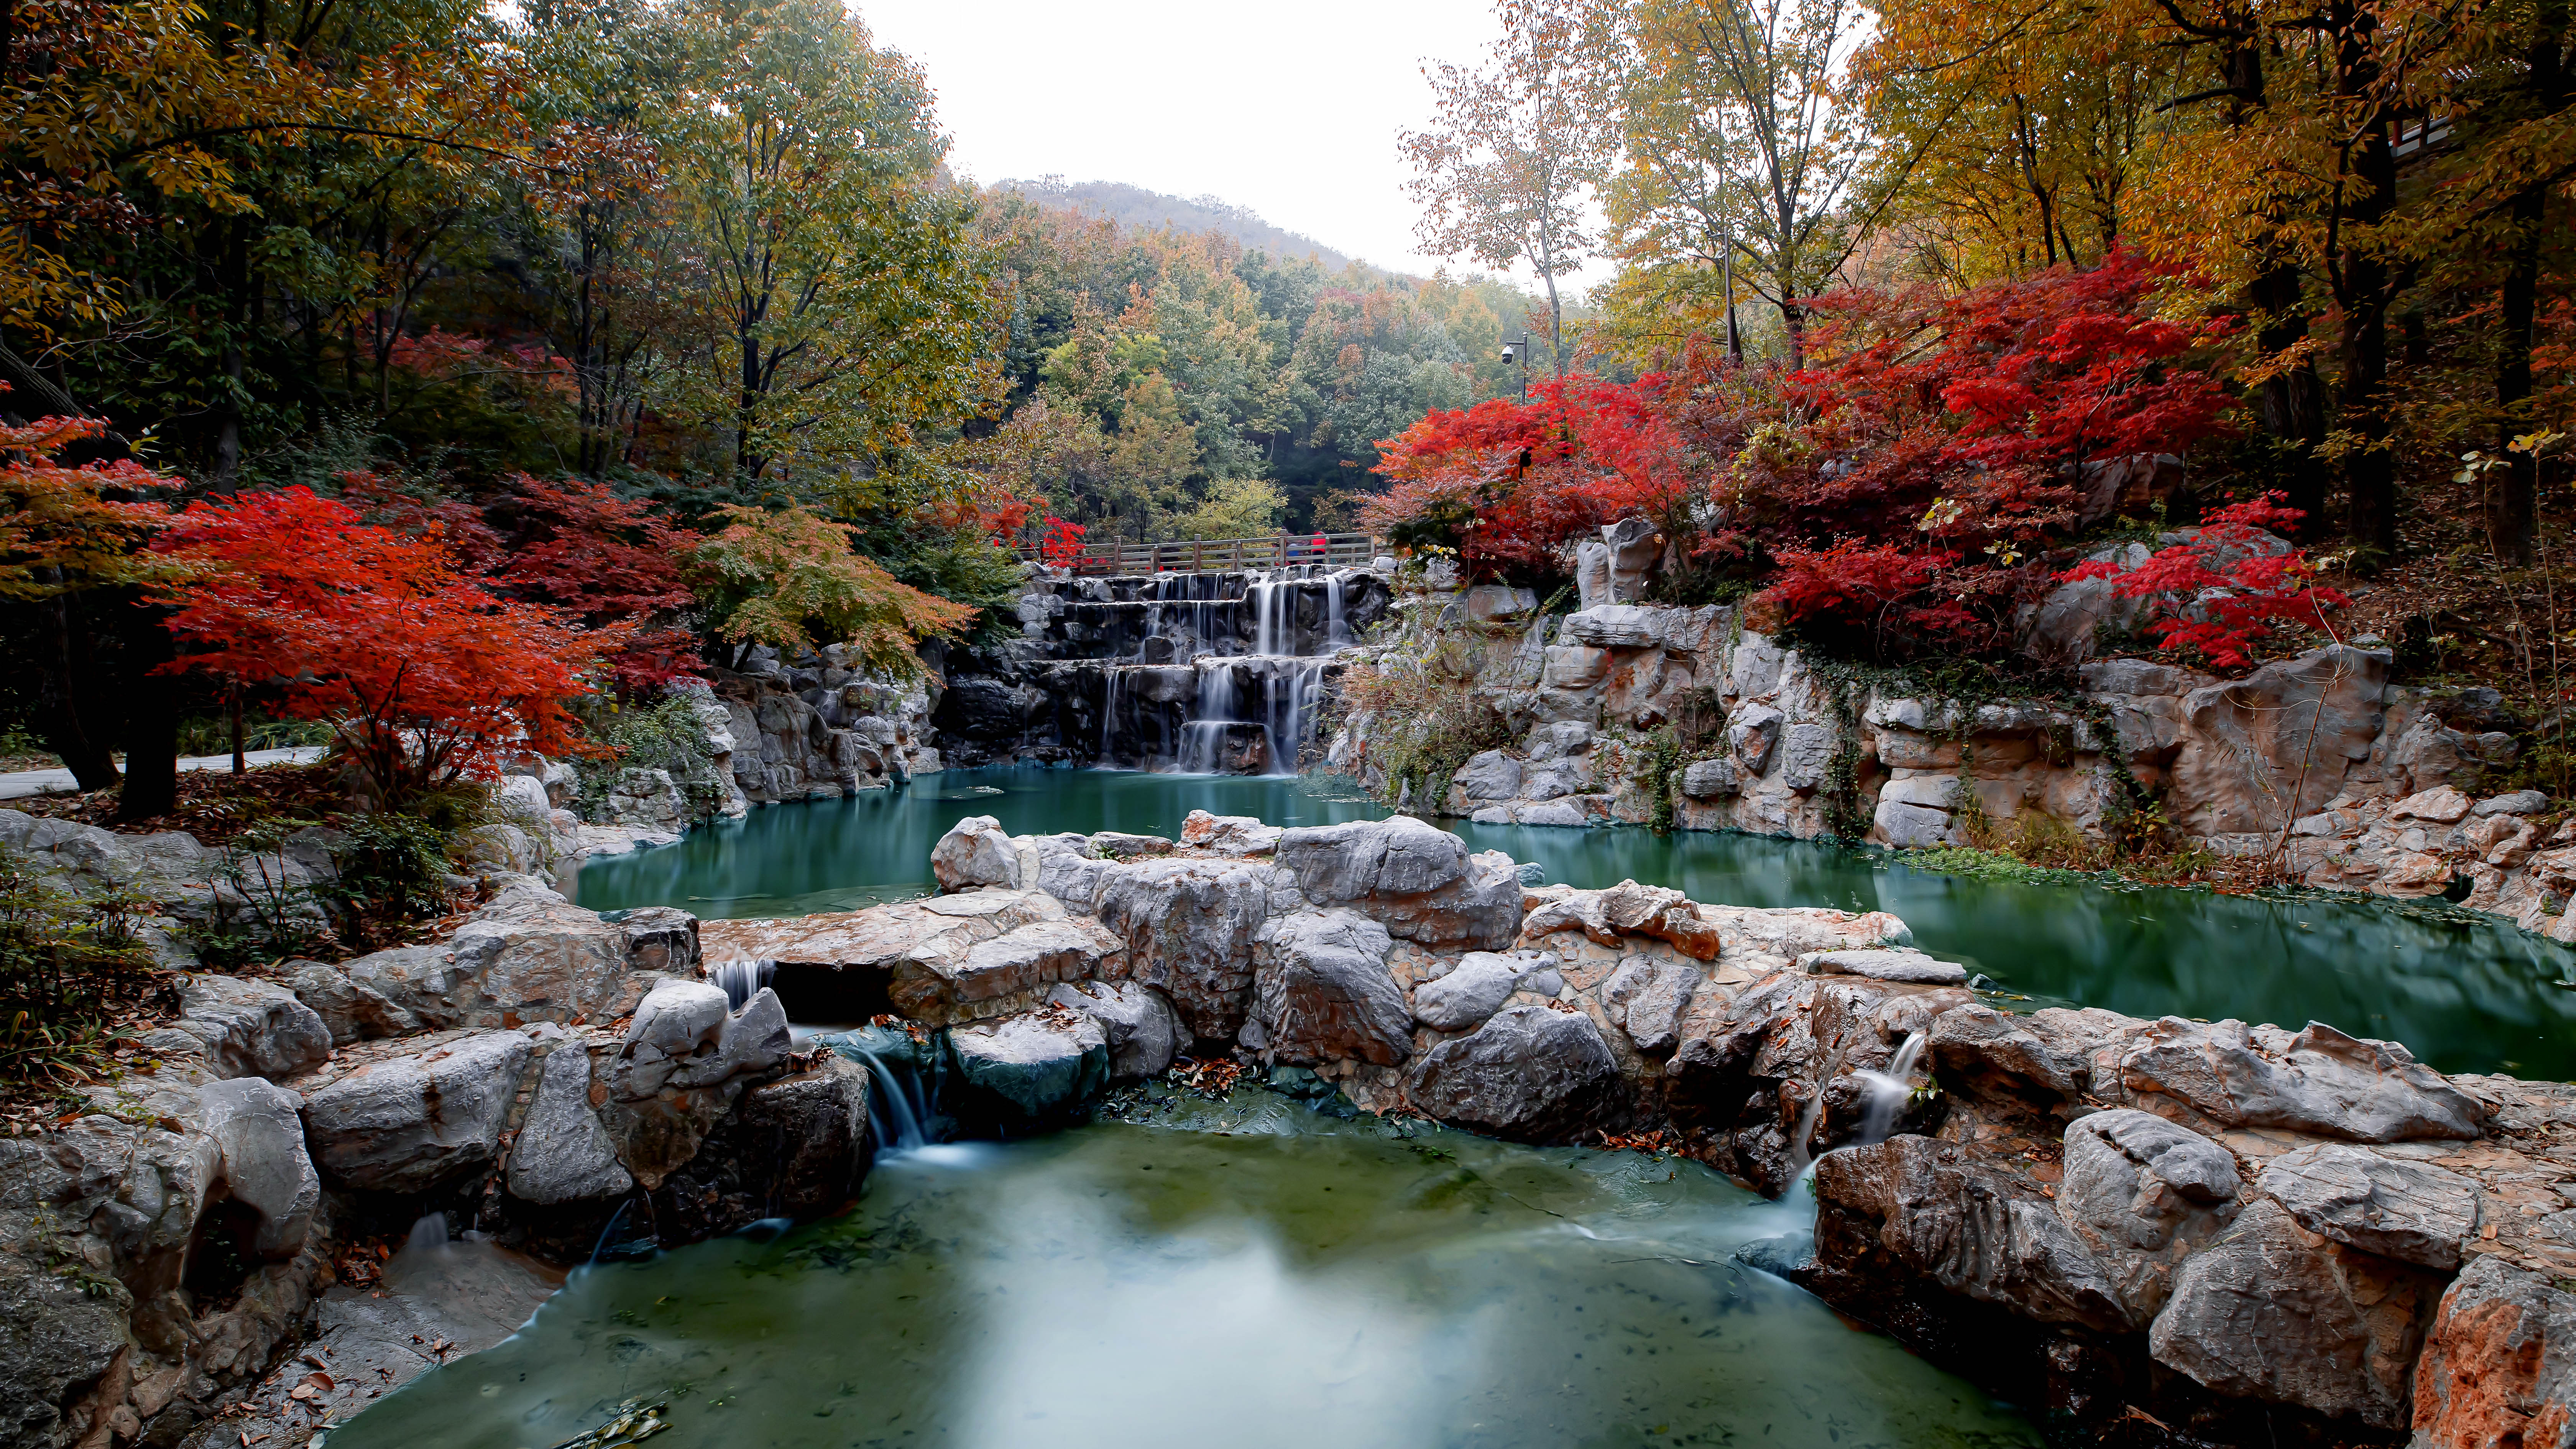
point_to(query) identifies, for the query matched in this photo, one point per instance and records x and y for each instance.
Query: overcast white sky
(1291, 110)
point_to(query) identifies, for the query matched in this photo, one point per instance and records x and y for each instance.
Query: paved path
(16, 783)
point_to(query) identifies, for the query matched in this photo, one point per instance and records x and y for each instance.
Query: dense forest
(669, 321)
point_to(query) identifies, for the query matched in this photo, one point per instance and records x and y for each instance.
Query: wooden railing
(1195, 555)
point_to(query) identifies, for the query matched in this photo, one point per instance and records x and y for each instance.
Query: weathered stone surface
(2440, 805)
(2050, 1051)
(2268, 1311)
(2517, 802)
(250, 1028)
(2292, 727)
(408, 1123)
(1229, 835)
(1473, 990)
(2414, 1212)
(1711, 779)
(795, 1147)
(562, 1153)
(1325, 993)
(1414, 878)
(1968, 1228)
(260, 1129)
(1910, 827)
(1647, 998)
(54, 1338)
(1009, 967)
(1529, 1072)
(1039, 1063)
(927, 951)
(2319, 1081)
(2499, 1365)
(1188, 926)
(2142, 1193)
(527, 956)
(350, 1012)
(1901, 964)
(976, 852)
(1629, 909)
(1490, 775)
(1806, 755)
(1143, 1030)
(683, 1062)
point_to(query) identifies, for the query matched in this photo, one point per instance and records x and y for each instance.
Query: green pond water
(1246, 1273)
(2465, 993)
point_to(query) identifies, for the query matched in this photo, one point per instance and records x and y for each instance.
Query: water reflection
(2464, 995)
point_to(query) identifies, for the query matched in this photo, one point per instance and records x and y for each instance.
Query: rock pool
(2466, 993)
(1247, 1272)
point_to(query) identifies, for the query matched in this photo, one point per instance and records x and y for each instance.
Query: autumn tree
(1503, 174)
(779, 576)
(424, 673)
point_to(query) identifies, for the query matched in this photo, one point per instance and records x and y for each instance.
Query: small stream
(2466, 993)
(1245, 1273)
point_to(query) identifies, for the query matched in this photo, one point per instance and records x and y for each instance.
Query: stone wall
(2356, 783)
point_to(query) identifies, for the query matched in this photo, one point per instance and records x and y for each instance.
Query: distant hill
(1134, 206)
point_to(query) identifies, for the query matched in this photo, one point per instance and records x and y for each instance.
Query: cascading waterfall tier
(1230, 674)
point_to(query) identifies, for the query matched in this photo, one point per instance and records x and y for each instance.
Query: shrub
(72, 973)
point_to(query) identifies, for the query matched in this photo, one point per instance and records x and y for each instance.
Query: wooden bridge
(1195, 555)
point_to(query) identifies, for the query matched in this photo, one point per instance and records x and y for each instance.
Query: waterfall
(1108, 713)
(1336, 633)
(1889, 1090)
(1203, 739)
(741, 980)
(896, 1115)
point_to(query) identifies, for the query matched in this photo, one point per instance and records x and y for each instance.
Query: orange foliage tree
(423, 672)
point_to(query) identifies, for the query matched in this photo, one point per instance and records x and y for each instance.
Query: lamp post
(1516, 351)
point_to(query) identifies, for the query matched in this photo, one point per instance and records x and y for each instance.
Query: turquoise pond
(2466, 993)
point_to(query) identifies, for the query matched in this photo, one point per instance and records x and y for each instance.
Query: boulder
(409, 1123)
(975, 852)
(350, 1012)
(1040, 1064)
(562, 1153)
(1188, 927)
(2411, 1211)
(249, 1028)
(1710, 779)
(264, 1167)
(1965, 1226)
(1489, 775)
(1412, 877)
(1751, 733)
(683, 1062)
(2499, 1365)
(1647, 998)
(527, 956)
(795, 1147)
(2143, 1193)
(1530, 1072)
(1473, 990)
(1910, 827)
(1325, 993)
(2517, 802)
(1903, 964)
(2319, 1081)
(2268, 1311)
(1616, 626)
(55, 1337)
(1499, 603)
(2440, 805)
(1143, 1030)
(2293, 726)
(923, 950)
(1228, 835)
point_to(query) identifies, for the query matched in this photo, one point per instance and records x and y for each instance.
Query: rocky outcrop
(2352, 782)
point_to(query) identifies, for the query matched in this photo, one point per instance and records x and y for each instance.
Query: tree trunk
(2369, 287)
(2291, 403)
(2512, 489)
(60, 720)
(151, 720)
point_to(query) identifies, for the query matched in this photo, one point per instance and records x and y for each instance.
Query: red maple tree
(424, 673)
(2221, 591)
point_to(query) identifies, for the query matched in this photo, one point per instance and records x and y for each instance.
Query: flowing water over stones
(1249, 1272)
